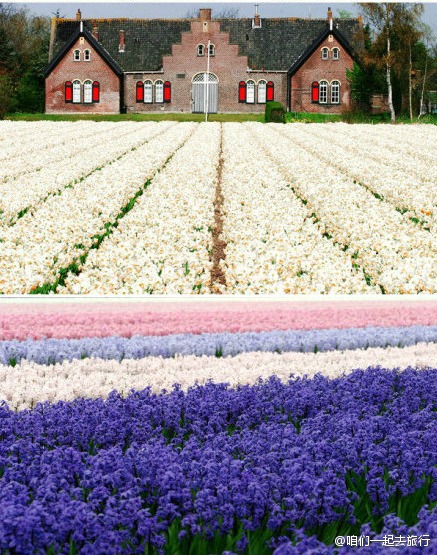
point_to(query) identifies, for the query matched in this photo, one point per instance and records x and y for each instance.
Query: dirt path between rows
(218, 278)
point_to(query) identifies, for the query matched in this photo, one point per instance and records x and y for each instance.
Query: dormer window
(335, 53)
(76, 55)
(211, 50)
(200, 50)
(325, 53)
(87, 55)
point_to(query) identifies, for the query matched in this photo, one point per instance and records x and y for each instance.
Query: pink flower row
(103, 319)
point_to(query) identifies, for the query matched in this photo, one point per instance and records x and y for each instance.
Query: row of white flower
(405, 182)
(273, 245)
(72, 163)
(28, 383)
(40, 148)
(63, 227)
(397, 254)
(164, 244)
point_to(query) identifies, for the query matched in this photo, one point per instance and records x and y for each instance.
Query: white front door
(205, 93)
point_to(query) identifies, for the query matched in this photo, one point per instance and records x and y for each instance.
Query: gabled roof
(276, 45)
(81, 31)
(318, 41)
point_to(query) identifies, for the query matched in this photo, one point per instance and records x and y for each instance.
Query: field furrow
(273, 243)
(188, 208)
(28, 191)
(397, 255)
(410, 188)
(41, 245)
(164, 245)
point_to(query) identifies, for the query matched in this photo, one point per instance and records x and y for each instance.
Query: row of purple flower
(49, 351)
(313, 458)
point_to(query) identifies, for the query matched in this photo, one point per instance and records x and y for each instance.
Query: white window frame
(159, 91)
(200, 50)
(323, 92)
(211, 50)
(325, 53)
(262, 91)
(87, 92)
(335, 92)
(148, 92)
(250, 92)
(76, 55)
(77, 92)
(86, 53)
(335, 53)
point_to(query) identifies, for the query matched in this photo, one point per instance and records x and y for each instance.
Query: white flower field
(188, 208)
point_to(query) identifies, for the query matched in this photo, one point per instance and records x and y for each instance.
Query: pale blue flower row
(49, 351)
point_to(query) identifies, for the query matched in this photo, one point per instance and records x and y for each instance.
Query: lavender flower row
(112, 477)
(50, 351)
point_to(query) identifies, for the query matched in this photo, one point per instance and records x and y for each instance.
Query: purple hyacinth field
(254, 442)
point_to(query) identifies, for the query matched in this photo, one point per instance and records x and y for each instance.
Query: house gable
(83, 78)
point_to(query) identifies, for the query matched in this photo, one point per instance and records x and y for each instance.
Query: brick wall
(96, 70)
(317, 69)
(227, 65)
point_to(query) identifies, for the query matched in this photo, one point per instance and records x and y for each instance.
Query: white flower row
(73, 162)
(397, 254)
(65, 226)
(28, 383)
(163, 245)
(273, 245)
(33, 153)
(407, 183)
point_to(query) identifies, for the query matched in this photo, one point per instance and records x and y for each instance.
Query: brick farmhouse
(194, 65)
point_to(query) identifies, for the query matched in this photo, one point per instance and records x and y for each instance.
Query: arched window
(87, 92)
(68, 91)
(140, 91)
(242, 91)
(148, 92)
(200, 50)
(87, 55)
(262, 92)
(159, 92)
(315, 92)
(270, 91)
(325, 53)
(96, 91)
(167, 91)
(335, 92)
(323, 92)
(76, 55)
(250, 92)
(335, 53)
(211, 50)
(76, 92)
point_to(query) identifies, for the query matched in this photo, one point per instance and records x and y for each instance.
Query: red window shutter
(96, 91)
(315, 92)
(140, 92)
(167, 91)
(242, 92)
(270, 91)
(68, 91)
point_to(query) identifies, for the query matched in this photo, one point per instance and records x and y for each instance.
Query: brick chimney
(330, 18)
(78, 15)
(256, 21)
(121, 42)
(205, 14)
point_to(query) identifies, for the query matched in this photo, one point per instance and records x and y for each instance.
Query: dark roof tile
(276, 45)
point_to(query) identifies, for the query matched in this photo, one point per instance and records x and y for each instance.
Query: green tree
(24, 41)
(396, 28)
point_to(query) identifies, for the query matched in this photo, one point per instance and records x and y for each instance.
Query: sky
(149, 9)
